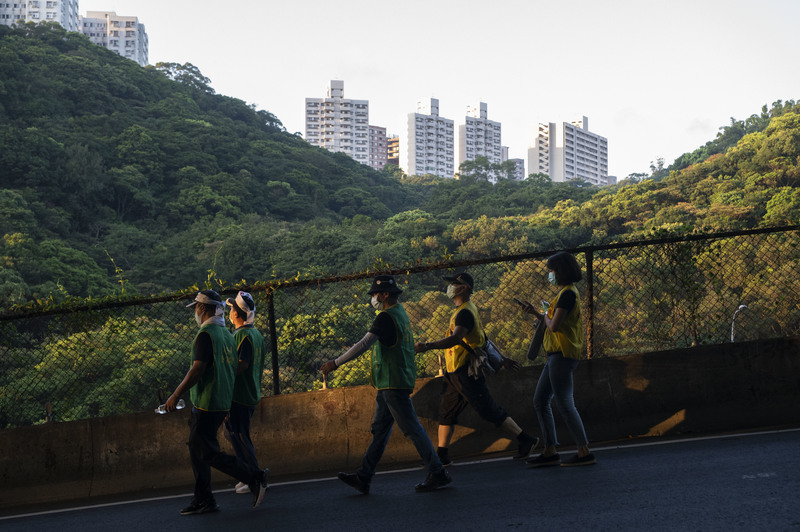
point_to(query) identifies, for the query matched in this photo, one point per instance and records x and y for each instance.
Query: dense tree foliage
(115, 176)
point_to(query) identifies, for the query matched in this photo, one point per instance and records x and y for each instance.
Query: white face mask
(377, 305)
(451, 291)
(552, 278)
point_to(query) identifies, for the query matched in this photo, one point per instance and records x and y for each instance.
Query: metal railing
(125, 356)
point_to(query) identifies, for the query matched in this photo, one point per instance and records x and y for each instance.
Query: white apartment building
(428, 145)
(123, 35)
(569, 151)
(64, 12)
(519, 166)
(339, 124)
(378, 147)
(479, 136)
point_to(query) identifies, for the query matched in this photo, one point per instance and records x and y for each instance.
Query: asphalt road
(736, 482)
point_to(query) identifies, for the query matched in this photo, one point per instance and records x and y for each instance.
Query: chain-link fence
(637, 297)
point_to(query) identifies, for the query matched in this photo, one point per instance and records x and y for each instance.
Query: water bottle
(163, 408)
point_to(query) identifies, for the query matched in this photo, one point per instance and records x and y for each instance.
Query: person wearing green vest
(251, 350)
(461, 389)
(210, 383)
(563, 343)
(393, 374)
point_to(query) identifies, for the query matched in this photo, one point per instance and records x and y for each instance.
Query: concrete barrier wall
(697, 390)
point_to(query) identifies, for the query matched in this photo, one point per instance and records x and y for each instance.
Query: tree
(186, 74)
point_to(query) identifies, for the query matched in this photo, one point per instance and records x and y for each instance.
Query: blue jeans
(556, 381)
(395, 406)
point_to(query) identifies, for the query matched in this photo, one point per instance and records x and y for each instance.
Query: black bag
(536, 341)
(486, 360)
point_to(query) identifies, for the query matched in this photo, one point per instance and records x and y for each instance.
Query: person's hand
(420, 347)
(327, 367)
(530, 309)
(171, 402)
(511, 364)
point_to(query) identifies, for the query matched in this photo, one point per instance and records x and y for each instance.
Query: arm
(245, 355)
(191, 378)
(355, 351)
(445, 343)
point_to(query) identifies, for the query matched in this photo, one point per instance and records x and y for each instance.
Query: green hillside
(116, 177)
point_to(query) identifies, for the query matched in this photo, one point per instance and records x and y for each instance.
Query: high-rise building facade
(339, 124)
(63, 12)
(393, 149)
(123, 35)
(428, 145)
(570, 151)
(479, 136)
(378, 151)
(518, 173)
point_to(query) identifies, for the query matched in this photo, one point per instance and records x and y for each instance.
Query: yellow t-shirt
(569, 337)
(458, 356)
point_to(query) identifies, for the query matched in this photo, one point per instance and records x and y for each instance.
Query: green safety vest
(247, 388)
(394, 366)
(214, 390)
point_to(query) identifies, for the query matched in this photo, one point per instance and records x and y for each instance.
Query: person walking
(251, 350)
(563, 343)
(459, 388)
(393, 374)
(210, 382)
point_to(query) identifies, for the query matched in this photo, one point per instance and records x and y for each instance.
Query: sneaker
(526, 443)
(544, 461)
(205, 507)
(352, 479)
(434, 480)
(258, 487)
(242, 488)
(576, 460)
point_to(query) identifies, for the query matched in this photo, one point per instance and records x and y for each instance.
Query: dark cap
(384, 283)
(460, 278)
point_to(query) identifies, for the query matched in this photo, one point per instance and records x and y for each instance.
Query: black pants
(205, 453)
(459, 390)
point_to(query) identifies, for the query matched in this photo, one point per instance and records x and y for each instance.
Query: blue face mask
(552, 278)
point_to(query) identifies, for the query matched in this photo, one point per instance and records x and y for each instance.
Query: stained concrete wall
(697, 390)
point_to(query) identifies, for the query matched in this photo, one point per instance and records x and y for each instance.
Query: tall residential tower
(64, 12)
(123, 35)
(428, 142)
(479, 137)
(569, 151)
(339, 124)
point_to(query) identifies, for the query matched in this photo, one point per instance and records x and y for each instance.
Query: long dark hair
(566, 268)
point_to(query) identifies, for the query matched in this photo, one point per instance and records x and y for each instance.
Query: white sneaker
(242, 488)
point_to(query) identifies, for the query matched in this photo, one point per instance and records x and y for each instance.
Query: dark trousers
(205, 453)
(238, 427)
(459, 390)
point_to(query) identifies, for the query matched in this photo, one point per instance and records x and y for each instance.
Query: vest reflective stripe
(458, 356)
(394, 366)
(214, 391)
(569, 338)
(247, 387)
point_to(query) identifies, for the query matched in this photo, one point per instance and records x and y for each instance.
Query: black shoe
(352, 479)
(544, 461)
(258, 486)
(434, 480)
(576, 460)
(526, 443)
(205, 507)
(444, 456)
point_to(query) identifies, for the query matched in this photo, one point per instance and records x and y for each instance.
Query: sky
(657, 78)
